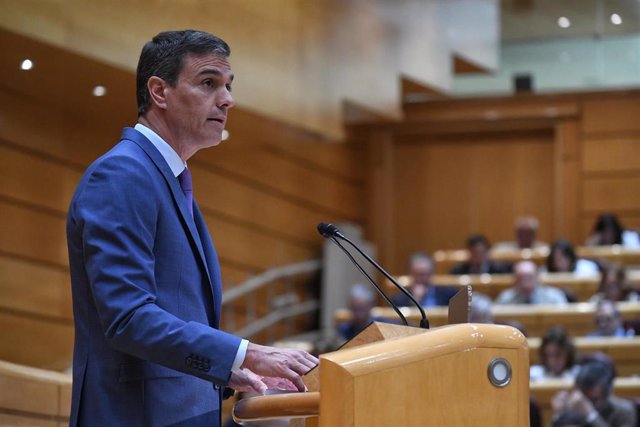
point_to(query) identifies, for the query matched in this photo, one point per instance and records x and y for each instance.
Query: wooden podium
(390, 375)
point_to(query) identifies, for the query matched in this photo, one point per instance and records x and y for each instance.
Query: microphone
(332, 232)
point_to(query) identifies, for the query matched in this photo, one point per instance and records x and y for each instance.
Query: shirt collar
(172, 158)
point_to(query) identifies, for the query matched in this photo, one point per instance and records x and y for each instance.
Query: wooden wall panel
(233, 242)
(36, 341)
(611, 154)
(219, 194)
(31, 234)
(611, 114)
(289, 179)
(567, 178)
(611, 194)
(36, 180)
(34, 288)
(447, 190)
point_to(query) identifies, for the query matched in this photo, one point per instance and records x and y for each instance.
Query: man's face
(361, 310)
(421, 271)
(611, 287)
(561, 261)
(477, 254)
(197, 105)
(607, 320)
(555, 358)
(525, 235)
(525, 276)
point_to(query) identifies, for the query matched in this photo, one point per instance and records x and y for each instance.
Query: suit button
(216, 387)
(188, 361)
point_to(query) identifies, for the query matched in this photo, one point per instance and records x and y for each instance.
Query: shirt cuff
(240, 355)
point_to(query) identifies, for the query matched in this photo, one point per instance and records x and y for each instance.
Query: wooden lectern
(390, 375)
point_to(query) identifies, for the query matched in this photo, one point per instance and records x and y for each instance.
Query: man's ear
(156, 87)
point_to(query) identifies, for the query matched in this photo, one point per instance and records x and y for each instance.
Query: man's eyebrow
(214, 71)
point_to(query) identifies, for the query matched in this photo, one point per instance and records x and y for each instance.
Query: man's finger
(295, 379)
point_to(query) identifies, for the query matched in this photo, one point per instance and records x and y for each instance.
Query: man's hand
(245, 380)
(578, 402)
(279, 363)
(574, 401)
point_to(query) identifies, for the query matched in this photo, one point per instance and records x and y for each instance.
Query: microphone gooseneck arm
(375, 285)
(333, 231)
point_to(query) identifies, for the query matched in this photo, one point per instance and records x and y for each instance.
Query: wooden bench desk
(583, 287)
(445, 259)
(577, 318)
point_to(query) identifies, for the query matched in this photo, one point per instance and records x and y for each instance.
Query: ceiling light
(225, 134)
(563, 22)
(99, 91)
(616, 19)
(27, 64)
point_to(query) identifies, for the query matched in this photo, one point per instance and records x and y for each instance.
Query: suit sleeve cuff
(240, 355)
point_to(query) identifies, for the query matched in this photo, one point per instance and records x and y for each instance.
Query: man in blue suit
(145, 275)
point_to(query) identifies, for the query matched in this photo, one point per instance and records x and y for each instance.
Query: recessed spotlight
(99, 91)
(27, 64)
(615, 19)
(225, 134)
(564, 22)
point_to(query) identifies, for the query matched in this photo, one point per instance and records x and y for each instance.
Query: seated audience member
(480, 311)
(557, 356)
(527, 289)
(608, 321)
(562, 259)
(613, 286)
(361, 301)
(608, 231)
(526, 229)
(421, 268)
(479, 262)
(593, 400)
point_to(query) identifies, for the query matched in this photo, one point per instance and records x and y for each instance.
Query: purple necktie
(185, 183)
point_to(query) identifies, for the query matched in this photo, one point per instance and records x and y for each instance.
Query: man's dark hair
(164, 57)
(595, 374)
(558, 335)
(609, 221)
(476, 239)
(566, 248)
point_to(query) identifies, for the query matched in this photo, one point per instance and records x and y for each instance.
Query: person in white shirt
(562, 259)
(527, 289)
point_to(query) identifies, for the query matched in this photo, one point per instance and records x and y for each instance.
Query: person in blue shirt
(421, 269)
(608, 321)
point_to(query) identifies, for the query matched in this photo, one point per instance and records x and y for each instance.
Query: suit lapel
(178, 196)
(212, 260)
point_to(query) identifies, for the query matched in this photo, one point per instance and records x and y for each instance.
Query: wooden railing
(269, 303)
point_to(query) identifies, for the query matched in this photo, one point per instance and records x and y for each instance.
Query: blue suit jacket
(146, 297)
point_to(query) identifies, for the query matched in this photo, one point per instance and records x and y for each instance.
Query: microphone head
(327, 230)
